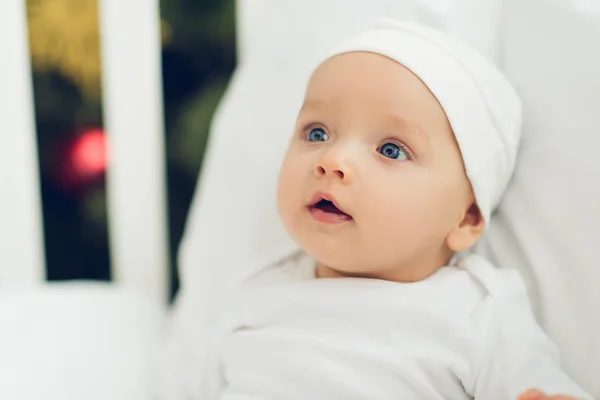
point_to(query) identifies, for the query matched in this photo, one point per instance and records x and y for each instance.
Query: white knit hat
(481, 105)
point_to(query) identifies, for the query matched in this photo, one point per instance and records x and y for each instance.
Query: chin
(338, 259)
(320, 253)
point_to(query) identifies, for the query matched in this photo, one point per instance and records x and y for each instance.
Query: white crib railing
(21, 244)
(134, 121)
(133, 116)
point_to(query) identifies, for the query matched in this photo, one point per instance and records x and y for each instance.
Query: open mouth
(328, 207)
(325, 210)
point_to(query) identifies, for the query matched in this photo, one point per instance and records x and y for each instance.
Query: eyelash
(307, 128)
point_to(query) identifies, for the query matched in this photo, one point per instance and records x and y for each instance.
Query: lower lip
(328, 218)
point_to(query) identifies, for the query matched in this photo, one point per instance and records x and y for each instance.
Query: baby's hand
(534, 394)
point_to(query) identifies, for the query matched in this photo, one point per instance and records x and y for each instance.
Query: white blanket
(465, 332)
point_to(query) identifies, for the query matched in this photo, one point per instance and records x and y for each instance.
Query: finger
(533, 394)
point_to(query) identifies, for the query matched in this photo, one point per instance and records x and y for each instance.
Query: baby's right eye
(317, 135)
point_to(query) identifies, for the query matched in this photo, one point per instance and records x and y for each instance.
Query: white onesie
(466, 332)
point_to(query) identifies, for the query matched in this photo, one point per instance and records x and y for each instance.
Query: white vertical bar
(248, 14)
(21, 229)
(133, 116)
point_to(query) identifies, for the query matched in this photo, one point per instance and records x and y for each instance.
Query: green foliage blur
(198, 59)
(197, 64)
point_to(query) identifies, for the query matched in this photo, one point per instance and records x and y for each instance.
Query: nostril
(337, 173)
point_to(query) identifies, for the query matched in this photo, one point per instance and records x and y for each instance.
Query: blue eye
(393, 151)
(317, 135)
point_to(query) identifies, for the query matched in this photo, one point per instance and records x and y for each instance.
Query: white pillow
(548, 226)
(76, 341)
(233, 227)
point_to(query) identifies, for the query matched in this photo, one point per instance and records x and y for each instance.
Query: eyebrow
(398, 122)
(313, 103)
(403, 125)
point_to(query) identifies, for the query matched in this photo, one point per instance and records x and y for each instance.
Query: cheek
(289, 190)
(410, 209)
(399, 215)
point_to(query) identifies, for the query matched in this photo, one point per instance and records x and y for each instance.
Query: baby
(402, 149)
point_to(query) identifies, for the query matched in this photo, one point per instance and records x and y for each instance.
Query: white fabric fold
(466, 332)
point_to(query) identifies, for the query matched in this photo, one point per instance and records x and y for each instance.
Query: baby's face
(373, 141)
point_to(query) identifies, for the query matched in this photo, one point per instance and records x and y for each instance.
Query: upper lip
(318, 196)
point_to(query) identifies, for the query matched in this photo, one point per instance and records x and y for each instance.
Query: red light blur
(87, 156)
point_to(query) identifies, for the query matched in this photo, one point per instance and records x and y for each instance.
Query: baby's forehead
(365, 73)
(371, 86)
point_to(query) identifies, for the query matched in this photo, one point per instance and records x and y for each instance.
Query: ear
(468, 231)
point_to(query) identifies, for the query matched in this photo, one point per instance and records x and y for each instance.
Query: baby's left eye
(317, 135)
(393, 151)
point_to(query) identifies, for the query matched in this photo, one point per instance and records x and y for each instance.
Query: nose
(335, 164)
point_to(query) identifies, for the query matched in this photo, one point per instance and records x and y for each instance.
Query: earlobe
(467, 232)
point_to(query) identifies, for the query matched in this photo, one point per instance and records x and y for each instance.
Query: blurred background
(198, 57)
